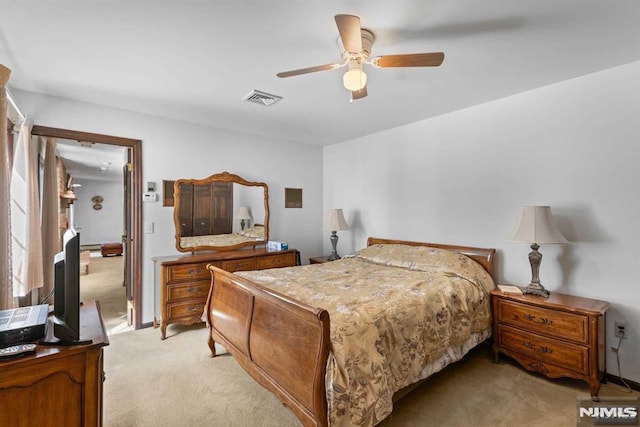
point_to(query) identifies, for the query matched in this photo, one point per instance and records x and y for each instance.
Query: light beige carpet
(175, 382)
(104, 283)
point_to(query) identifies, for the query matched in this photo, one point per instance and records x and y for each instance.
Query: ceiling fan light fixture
(355, 45)
(354, 79)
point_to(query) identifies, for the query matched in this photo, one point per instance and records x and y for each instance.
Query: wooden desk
(57, 386)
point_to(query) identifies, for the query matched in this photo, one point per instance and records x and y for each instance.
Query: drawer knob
(542, 321)
(191, 290)
(193, 308)
(195, 271)
(532, 346)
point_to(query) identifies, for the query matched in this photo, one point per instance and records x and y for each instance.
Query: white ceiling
(196, 60)
(99, 162)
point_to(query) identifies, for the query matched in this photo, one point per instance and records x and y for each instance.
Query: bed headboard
(483, 256)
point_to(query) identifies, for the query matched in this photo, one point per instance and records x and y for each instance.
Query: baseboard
(90, 247)
(616, 380)
(146, 325)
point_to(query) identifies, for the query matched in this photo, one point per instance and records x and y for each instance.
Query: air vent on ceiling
(261, 98)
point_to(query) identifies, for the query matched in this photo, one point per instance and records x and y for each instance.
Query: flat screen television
(63, 325)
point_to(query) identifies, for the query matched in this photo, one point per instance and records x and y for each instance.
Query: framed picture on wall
(293, 197)
(167, 193)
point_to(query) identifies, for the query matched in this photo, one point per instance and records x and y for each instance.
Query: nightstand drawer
(187, 272)
(275, 261)
(570, 326)
(570, 356)
(198, 290)
(319, 259)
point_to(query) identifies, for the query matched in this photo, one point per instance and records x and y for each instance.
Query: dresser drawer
(239, 265)
(192, 310)
(197, 290)
(187, 272)
(570, 326)
(570, 356)
(275, 261)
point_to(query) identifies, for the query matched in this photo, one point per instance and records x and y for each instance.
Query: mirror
(222, 212)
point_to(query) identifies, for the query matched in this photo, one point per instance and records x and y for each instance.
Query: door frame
(134, 258)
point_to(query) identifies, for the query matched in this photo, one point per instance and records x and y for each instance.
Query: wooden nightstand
(559, 336)
(319, 259)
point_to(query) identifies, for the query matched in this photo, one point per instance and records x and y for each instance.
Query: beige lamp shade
(243, 213)
(335, 221)
(535, 225)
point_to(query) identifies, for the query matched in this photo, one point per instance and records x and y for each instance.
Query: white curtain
(50, 214)
(6, 285)
(26, 243)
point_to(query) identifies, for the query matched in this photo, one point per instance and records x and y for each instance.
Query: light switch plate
(148, 227)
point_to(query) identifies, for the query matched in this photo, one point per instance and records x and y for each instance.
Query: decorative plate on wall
(97, 199)
(97, 206)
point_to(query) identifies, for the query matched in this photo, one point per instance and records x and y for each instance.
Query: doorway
(132, 207)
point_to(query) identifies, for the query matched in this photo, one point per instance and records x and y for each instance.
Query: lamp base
(334, 242)
(536, 289)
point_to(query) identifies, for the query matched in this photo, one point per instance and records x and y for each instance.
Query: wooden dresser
(185, 281)
(57, 386)
(559, 336)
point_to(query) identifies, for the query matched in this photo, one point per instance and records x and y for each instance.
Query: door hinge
(130, 167)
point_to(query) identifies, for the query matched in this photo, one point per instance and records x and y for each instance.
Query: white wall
(98, 226)
(173, 149)
(461, 178)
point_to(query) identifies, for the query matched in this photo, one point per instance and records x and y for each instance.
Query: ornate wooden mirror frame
(205, 213)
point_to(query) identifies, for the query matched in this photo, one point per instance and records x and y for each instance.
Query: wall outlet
(621, 330)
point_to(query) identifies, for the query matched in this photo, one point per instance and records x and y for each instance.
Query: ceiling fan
(356, 46)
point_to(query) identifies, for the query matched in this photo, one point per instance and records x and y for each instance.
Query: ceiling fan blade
(433, 59)
(350, 32)
(357, 94)
(325, 67)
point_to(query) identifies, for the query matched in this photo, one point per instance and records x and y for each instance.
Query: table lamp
(242, 215)
(335, 222)
(535, 225)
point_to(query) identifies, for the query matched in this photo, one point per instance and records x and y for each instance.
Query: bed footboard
(282, 343)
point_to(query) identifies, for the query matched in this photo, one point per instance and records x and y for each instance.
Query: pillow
(425, 258)
(255, 232)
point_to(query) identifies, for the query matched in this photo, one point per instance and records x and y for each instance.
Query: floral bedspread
(396, 311)
(216, 240)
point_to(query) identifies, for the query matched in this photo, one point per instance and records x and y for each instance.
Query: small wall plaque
(293, 197)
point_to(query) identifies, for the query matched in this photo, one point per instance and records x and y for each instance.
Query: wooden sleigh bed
(285, 344)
